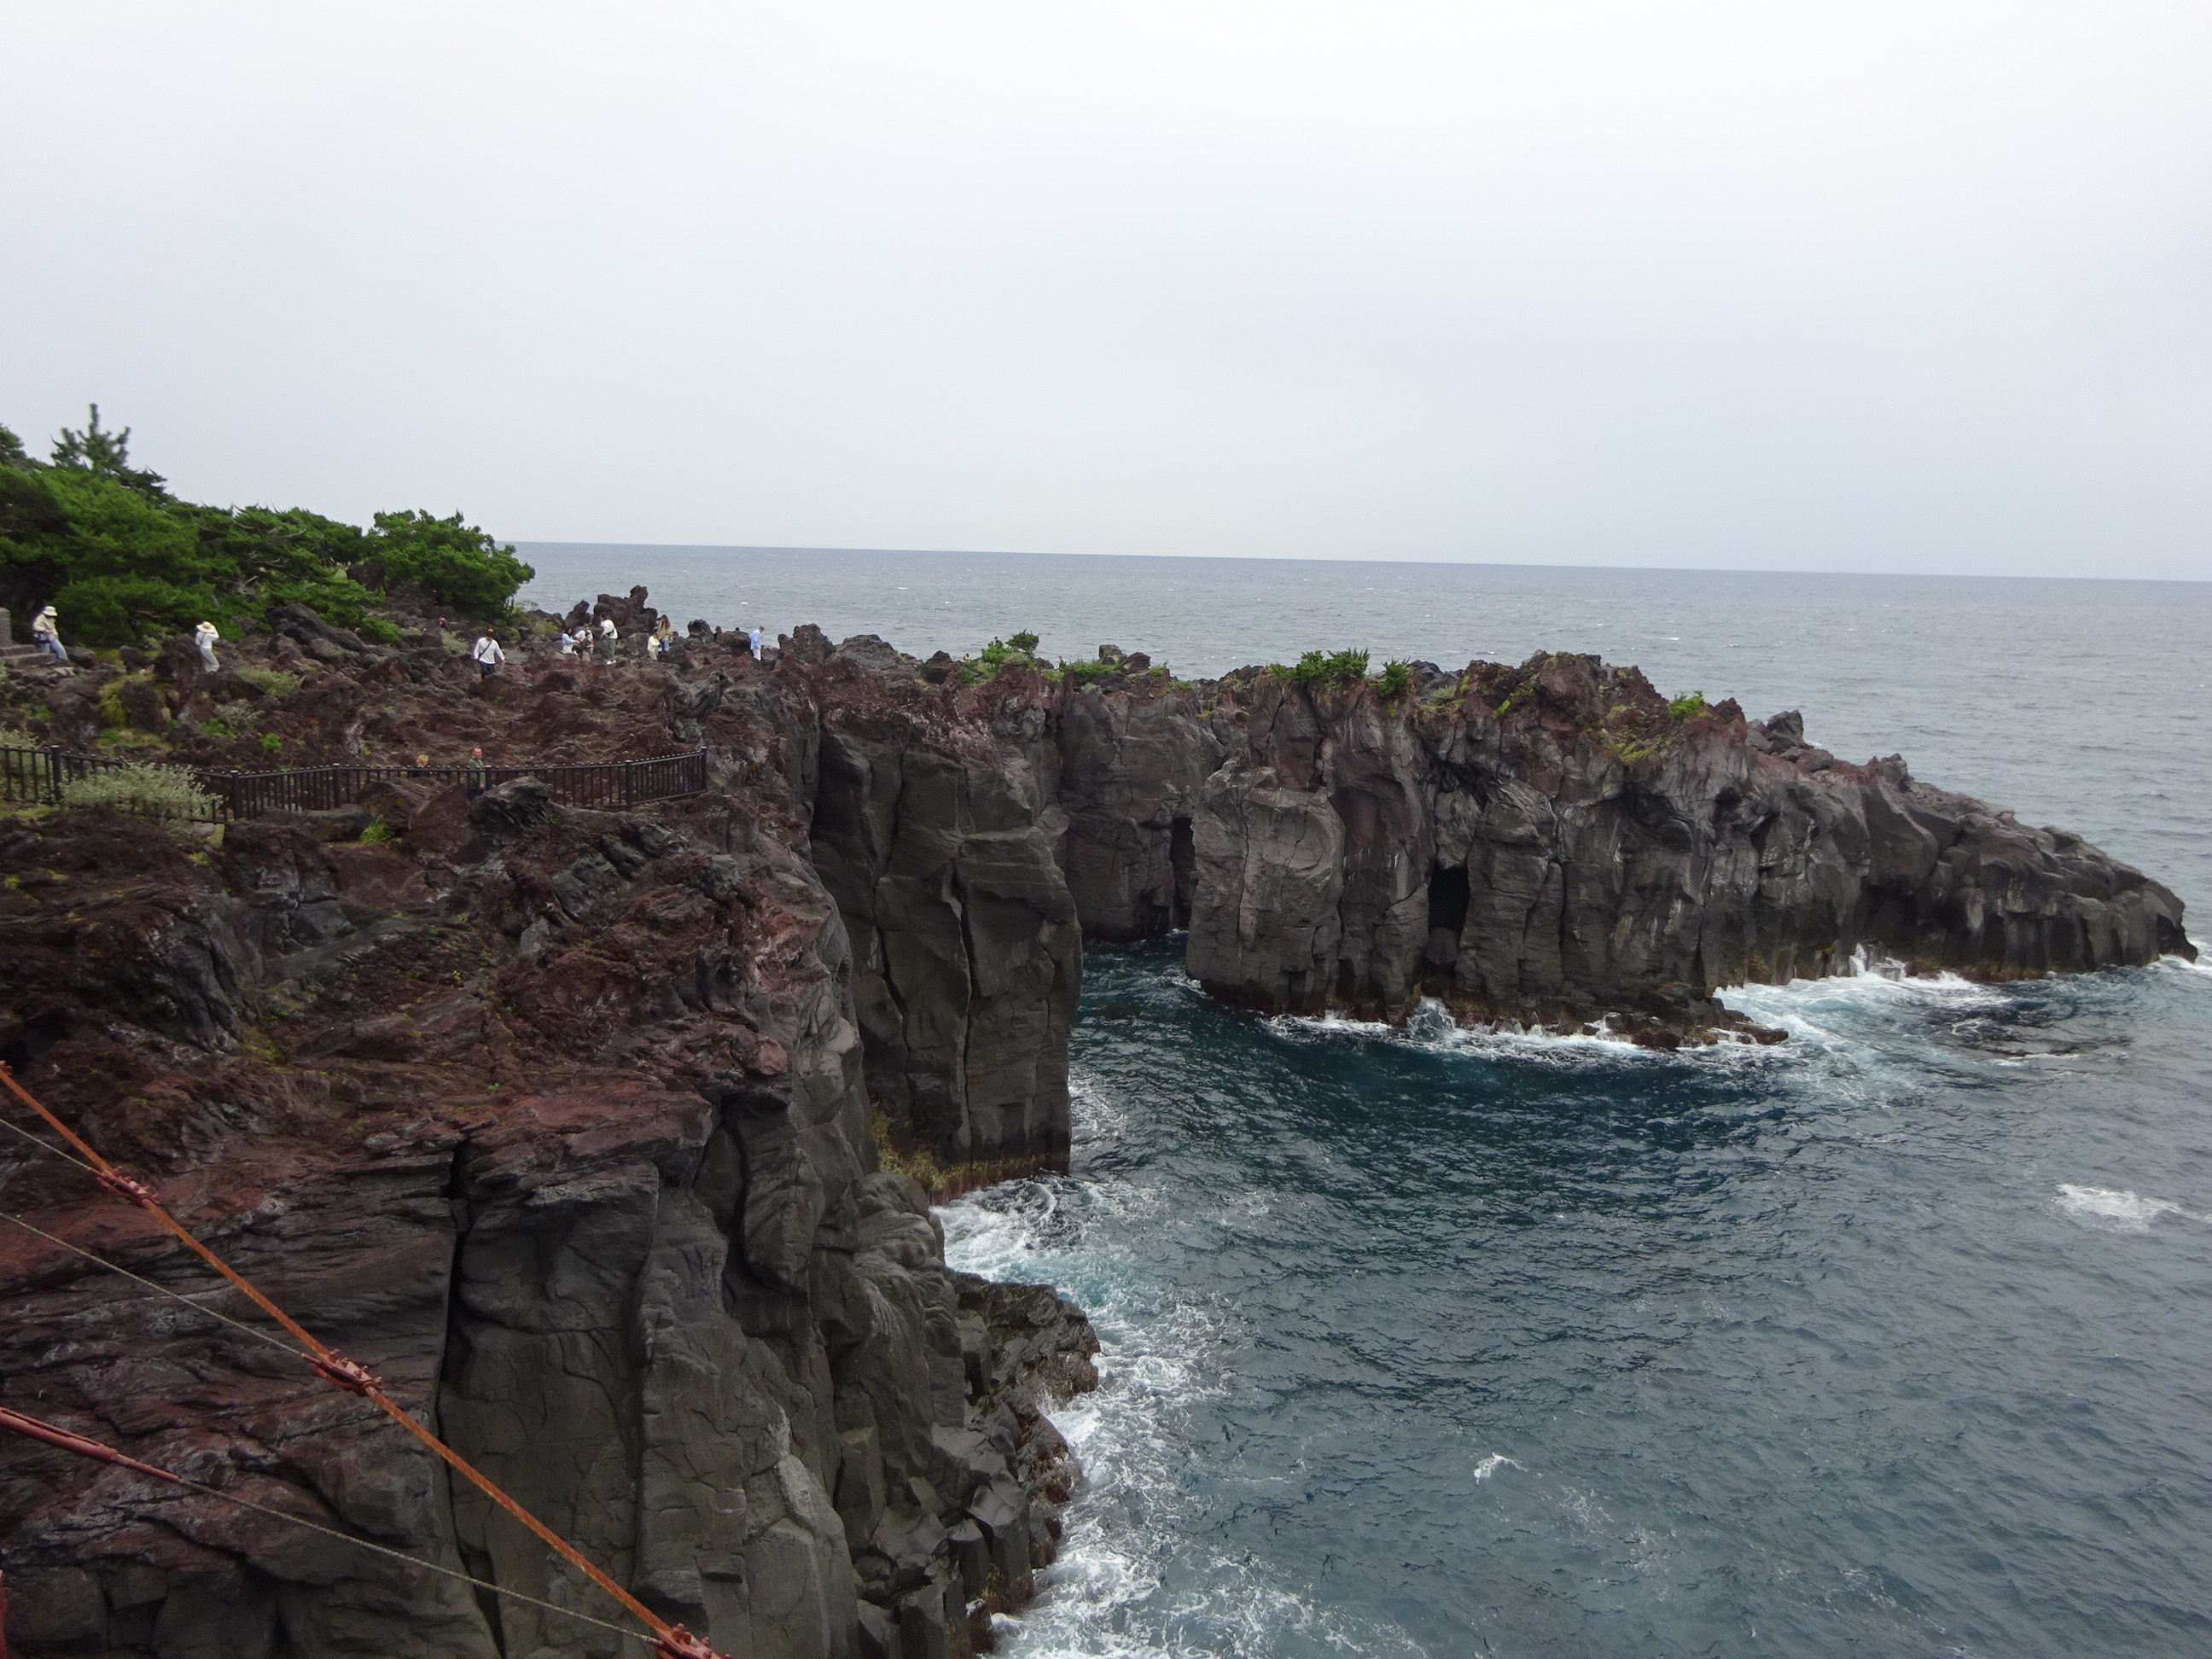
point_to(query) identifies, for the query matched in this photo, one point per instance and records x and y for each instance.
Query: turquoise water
(1894, 1339)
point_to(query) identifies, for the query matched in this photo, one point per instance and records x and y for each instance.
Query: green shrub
(1396, 681)
(125, 561)
(379, 831)
(1686, 707)
(271, 742)
(273, 682)
(1317, 670)
(151, 792)
(380, 629)
(1081, 673)
(1022, 648)
(455, 564)
(122, 565)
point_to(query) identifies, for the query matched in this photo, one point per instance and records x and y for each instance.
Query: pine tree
(107, 455)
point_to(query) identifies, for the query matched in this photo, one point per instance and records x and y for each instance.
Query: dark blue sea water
(1894, 1339)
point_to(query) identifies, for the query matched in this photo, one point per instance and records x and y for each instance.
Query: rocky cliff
(593, 1130)
(566, 1123)
(1552, 845)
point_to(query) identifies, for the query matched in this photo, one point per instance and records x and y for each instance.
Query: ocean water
(1893, 1340)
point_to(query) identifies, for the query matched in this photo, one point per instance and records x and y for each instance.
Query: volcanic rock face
(1556, 843)
(1131, 769)
(1553, 845)
(559, 1121)
(943, 854)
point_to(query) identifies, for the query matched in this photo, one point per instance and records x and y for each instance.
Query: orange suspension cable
(670, 1641)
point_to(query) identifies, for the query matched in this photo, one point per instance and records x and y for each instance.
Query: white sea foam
(1493, 1463)
(2113, 1210)
(1120, 1588)
(1431, 1027)
(1819, 1015)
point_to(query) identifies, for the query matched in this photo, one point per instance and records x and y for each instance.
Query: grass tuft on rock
(160, 792)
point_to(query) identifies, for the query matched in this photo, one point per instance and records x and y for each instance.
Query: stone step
(26, 659)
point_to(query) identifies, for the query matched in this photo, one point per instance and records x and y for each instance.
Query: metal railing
(38, 776)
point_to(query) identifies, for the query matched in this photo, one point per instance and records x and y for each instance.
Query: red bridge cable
(37, 1429)
(672, 1641)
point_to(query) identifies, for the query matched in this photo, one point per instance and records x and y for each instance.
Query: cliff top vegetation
(124, 560)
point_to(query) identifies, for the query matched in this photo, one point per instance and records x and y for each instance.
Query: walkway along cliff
(594, 1130)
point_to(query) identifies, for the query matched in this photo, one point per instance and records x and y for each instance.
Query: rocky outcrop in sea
(1553, 847)
(607, 1135)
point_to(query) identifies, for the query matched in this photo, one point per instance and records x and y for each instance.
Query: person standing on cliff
(487, 654)
(476, 773)
(753, 642)
(609, 634)
(204, 637)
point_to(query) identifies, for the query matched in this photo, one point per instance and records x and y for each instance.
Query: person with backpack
(487, 654)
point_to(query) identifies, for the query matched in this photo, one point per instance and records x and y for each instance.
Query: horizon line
(1308, 558)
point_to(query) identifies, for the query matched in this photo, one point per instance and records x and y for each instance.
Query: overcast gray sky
(1918, 287)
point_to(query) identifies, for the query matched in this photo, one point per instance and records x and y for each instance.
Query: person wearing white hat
(46, 633)
(204, 637)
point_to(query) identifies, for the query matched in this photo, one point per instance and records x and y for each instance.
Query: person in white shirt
(753, 640)
(46, 633)
(608, 635)
(204, 637)
(487, 654)
(567, 646)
